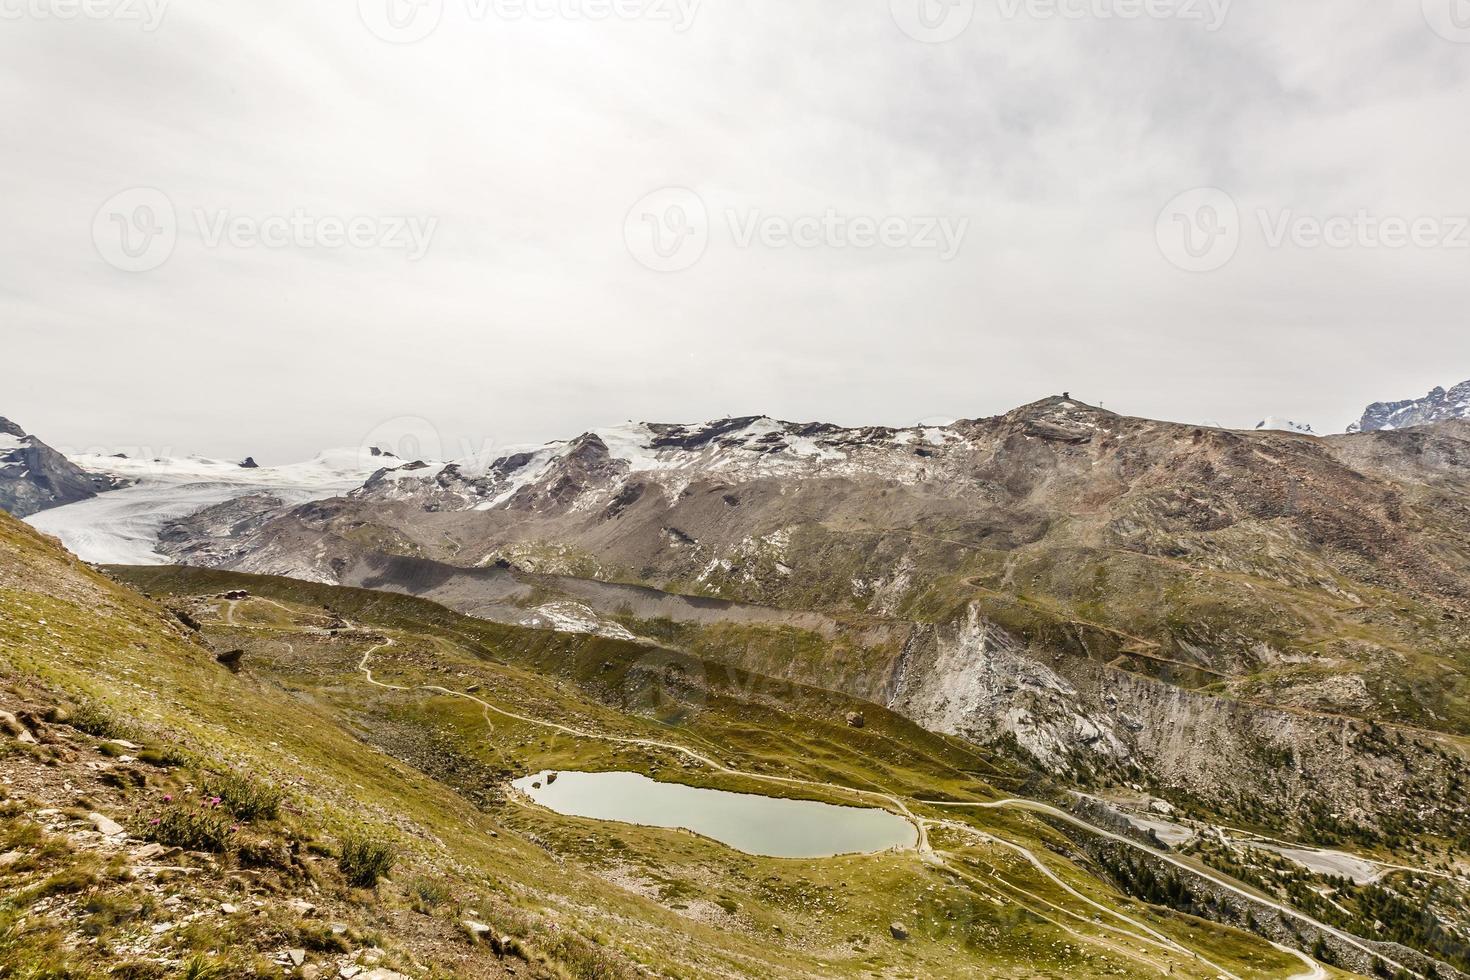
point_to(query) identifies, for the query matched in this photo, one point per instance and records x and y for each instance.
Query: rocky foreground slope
(1267, 622)
(266, 778)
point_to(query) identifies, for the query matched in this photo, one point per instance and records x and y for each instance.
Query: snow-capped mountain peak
(1437, 406)
(1276, 423)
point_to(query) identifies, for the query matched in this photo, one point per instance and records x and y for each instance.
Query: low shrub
(364, 859)
(200, 827)
(245, 796)
(165, 756)
(428, 894)
(201, 967)
(97, 721)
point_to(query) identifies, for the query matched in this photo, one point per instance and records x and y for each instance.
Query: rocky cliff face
(34, 477)
(1437, 406)
(1248, 760)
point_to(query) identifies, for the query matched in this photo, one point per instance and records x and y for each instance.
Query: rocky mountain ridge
(34, 477)
(1437, 406)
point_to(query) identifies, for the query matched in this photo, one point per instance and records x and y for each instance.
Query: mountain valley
(1154, 698)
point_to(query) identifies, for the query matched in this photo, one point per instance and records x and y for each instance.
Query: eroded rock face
(976, 681)
(1073, 714)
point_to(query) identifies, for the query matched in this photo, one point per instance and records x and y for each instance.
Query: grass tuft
(245, 796)
(365, 859)
(194, 828)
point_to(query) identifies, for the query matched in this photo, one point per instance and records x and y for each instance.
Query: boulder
(855, 719)
(898, 931)
(106, 827)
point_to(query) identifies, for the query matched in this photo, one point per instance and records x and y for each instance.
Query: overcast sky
(565, 221)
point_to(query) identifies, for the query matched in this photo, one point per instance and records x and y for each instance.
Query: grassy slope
(581, 897)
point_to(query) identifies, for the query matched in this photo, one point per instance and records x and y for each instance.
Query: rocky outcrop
(976, 681)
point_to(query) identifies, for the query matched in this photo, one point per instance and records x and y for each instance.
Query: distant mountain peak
(1275, 423)
(1437, 406)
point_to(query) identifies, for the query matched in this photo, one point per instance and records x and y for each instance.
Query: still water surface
(762, 825)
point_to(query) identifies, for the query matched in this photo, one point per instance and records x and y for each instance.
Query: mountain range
(1437, 406)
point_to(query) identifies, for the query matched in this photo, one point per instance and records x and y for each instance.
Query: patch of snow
(10, 443)
(573, 617)
(121, 527)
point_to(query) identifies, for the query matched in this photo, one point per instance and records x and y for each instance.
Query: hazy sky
(859, 211)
